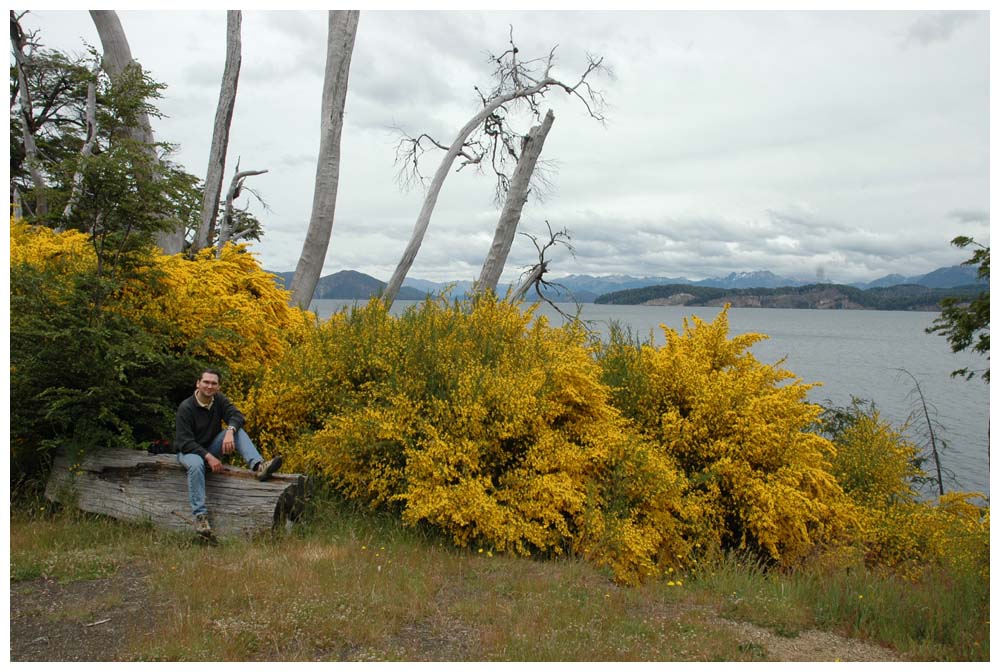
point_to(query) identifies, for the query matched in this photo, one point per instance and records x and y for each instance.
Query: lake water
(851, 352)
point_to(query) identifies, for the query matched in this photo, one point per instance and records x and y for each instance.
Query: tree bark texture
(517, 196)
(136, 486)
(343, 26)
(118, 56)
(220, 132)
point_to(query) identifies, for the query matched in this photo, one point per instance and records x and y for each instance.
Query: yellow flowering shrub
(480, 420)
(226, 310)
(907, 536)
(42, 247)
(737, 429)
(874, 463)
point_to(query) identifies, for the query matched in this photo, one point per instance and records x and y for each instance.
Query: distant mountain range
(350, 285)
(586, 288)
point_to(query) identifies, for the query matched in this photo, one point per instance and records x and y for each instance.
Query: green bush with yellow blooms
(479, 419)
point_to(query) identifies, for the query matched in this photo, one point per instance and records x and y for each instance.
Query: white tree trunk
(85, 153)
(220, 133)
(430, 200)
(30, 149)
(343, 26)
(117, 57)
(517, 196)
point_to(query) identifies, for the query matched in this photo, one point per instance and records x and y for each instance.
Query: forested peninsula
(817, 296)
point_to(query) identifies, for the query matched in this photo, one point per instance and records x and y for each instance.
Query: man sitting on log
(200, 441)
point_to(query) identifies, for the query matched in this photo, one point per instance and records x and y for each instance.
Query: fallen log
(137, 486)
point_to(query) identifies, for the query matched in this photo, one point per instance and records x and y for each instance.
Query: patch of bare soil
(80, 621)
(811, 645)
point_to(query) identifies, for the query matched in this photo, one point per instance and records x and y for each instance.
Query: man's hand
(214, 463)
(228, 445)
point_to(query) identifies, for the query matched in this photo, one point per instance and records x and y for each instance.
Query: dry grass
(357, 586)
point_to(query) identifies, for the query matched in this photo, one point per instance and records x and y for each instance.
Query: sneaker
(202, 526)
(265, 469)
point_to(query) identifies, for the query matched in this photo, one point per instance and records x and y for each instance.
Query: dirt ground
(95, 620)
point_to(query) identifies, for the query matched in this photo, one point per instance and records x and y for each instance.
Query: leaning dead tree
(517, 196)
(19, 41)
(220, 133)
(342, 27)
(487, 136)
(117, 57)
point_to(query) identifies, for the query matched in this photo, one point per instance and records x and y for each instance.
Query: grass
(355, 585)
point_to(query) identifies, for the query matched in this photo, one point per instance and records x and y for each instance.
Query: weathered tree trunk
(533, 277)
(117, 57)
(517, 196)
(27, 120)
(136, 486)
(343, 26)
(220, 133)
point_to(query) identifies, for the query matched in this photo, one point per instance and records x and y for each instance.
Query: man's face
(208, 385)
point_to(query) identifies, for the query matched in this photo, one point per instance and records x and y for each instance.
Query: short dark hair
(215, 372)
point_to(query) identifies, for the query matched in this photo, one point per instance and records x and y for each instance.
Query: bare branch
(535, 276)
(235, 187)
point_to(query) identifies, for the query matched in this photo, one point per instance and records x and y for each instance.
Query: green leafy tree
(96, 176)
(966, 324)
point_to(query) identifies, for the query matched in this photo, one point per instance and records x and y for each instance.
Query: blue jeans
(196, 466)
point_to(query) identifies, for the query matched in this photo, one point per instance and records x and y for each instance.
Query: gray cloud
(937, 26)
(970, 216)
(787, 141)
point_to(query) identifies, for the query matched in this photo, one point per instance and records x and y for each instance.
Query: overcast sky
(834, 145)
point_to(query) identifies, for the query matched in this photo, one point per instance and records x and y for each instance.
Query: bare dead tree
(117, 57)
(534, 277)
(220, 133)
(342, 29)
(932, 437)
(226, 233)
(517, 82)
(19, 40)
(517, 196)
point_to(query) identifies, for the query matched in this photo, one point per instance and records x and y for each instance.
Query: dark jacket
(197, 427)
